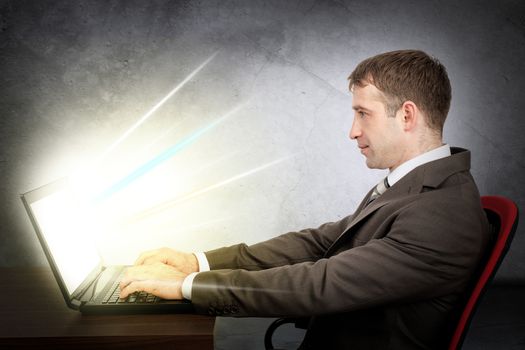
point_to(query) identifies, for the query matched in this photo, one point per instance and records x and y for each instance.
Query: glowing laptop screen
(67, 230)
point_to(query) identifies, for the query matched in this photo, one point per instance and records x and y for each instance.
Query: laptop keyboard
(113, 296)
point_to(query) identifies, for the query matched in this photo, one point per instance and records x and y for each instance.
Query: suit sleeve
(417, 259)
(289, 248)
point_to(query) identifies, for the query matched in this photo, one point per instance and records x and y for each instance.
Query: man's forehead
(363, 96)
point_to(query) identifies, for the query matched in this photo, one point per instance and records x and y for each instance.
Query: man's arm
(429, 251)
(169, 273)
(287, 249)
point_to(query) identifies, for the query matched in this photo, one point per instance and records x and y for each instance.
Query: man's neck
(425, 157)
(428, 141)
(423, 146)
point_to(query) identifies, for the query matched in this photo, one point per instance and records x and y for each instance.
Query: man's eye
(362, 114)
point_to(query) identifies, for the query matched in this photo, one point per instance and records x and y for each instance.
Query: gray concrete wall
(76, 75)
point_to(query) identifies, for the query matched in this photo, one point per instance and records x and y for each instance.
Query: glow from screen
(162, 157)
(66, 227)
(169, 204)
(155, 179)
(157, 106)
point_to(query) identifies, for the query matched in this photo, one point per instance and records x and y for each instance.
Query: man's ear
(410, 115)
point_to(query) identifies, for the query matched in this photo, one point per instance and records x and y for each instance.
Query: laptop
(65, 232)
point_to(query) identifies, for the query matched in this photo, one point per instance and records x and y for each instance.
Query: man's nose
(355, 131)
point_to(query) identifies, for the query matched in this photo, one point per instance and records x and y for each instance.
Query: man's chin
(374, 165)
(370, 163)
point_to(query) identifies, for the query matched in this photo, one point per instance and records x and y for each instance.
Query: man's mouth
(363, 148)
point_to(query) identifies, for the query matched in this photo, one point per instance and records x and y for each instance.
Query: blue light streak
(157, 106)
(161, 158)
(155, 162)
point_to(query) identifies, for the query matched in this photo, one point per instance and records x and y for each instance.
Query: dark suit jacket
(390, 276)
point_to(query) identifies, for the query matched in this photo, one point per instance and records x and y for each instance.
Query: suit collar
(426, 157)
(429, 175)
(438, 171)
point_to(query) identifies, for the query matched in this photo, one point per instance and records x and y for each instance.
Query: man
(389, 276)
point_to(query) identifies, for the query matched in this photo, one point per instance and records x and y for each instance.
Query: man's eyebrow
(355, 108)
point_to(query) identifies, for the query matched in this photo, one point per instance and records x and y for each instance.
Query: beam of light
(200, 225)
(208, 165)
(171, 225)
(169, 204)
(166, 132)
(161, 158)
(157, 106)
(159, 226)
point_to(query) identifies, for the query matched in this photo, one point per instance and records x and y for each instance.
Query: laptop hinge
(75, 303)
(79, 293)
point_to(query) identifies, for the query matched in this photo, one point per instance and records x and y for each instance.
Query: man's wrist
(187, 284)
(202, 261)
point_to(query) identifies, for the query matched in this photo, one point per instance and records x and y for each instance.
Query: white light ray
(169, 204)
(157, 106)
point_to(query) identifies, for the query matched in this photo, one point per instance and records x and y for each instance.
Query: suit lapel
(398, 190)
(430, 175)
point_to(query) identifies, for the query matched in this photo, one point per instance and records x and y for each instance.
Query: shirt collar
(411, 164)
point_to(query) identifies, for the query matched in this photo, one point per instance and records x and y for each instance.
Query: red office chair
(502, 214)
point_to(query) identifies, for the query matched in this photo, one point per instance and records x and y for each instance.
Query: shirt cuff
(187, 284)
(203, 261)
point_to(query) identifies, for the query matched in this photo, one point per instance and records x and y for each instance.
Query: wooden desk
(34, 315)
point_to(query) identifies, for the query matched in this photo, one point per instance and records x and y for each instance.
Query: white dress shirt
(393, 177)
(204, 265)
(411, 164)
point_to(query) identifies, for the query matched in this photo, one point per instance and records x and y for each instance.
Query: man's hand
(184, 262)
(159, 279)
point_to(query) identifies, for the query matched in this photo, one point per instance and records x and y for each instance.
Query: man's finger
(147, 286)
(142, 257)
(124, 282)
(132, 274)
(134, 286)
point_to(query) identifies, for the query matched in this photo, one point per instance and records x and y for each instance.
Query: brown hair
(408, 75)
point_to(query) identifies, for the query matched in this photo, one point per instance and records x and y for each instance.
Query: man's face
(379, 136)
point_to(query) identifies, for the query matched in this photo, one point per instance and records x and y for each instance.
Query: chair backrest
(502, 214)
